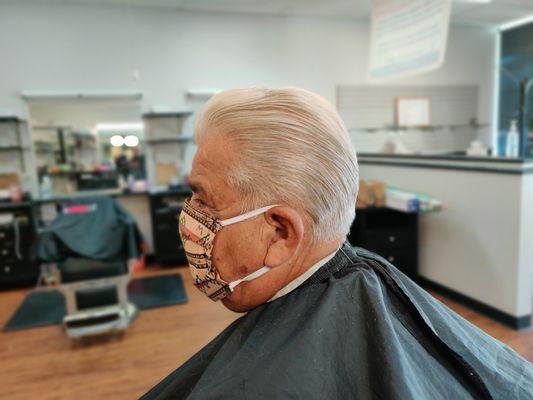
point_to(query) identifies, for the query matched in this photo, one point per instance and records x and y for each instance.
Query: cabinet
(391, 234)
(165, 208)
(17, 235)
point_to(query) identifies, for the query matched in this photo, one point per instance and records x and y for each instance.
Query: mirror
(87, 144)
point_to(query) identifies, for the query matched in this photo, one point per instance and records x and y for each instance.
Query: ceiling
(464, 12)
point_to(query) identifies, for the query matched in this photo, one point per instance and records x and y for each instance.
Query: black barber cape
(357, 329)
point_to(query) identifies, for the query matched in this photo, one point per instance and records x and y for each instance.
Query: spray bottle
(511, 148)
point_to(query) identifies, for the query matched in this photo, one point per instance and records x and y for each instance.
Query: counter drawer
(6, 234)
(405, 259)
(387, 238)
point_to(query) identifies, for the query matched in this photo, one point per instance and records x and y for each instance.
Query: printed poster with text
(407, 37)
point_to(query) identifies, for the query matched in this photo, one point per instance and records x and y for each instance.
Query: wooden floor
(42, 363)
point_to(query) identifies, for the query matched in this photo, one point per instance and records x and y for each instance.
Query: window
(516, 86)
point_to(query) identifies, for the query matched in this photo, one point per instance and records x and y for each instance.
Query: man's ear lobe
(287, 237)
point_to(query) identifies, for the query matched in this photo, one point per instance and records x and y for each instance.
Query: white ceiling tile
(357, 9)
(240, 6)
(160, 3)
(492, 14)
(463, 12)
(512, 3)
(459, 7)
(144, 3)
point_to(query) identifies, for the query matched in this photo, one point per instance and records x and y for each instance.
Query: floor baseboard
(491, 312)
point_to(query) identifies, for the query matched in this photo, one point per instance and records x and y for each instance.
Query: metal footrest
(99, 320)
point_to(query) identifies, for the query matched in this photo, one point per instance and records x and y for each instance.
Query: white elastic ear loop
(246, 216)
(240, 218)
(253, 275)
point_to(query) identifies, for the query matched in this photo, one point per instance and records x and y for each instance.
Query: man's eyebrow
(197, 188)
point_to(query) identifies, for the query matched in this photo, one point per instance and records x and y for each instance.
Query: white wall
(96, 48)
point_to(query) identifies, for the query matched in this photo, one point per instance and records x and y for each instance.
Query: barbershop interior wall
(54, 47)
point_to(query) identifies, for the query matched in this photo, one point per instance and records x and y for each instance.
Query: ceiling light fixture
(116, 141)
(131, 141)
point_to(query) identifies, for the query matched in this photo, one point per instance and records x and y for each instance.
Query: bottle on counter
(511, 146)
(47, 188)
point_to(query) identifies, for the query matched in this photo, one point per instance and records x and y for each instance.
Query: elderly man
(275, 181)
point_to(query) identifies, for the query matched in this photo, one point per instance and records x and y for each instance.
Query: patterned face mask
(197, 231)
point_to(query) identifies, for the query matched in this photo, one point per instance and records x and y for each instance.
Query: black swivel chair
(86, 252)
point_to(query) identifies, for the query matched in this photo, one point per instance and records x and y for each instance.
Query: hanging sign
(407, 37)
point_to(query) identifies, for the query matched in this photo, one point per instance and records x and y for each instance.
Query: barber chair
(86, 252)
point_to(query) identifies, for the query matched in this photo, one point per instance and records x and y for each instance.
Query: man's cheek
(221, 257)
(236, 257)
(234, 254)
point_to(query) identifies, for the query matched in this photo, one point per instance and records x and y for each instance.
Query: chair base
(101, 320)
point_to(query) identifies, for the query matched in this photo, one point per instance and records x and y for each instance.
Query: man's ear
(288, 234)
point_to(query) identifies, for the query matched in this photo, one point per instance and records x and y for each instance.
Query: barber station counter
(480, 248)
(155, 212)
(496, 165)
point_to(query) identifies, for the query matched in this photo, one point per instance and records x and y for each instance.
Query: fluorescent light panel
(120, 127)
(474, 1)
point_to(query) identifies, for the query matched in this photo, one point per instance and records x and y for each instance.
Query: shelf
(169, 140)
(13, 147)
(202, 93)
(50, 127)
(429, 128)
(9, 119)
(174, 114)
(9, 205)
(61, 173)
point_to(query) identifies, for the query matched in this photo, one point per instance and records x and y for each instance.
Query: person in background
(121, 164)
(275, 179)
(136, 164)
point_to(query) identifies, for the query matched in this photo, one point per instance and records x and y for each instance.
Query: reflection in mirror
(87, 144)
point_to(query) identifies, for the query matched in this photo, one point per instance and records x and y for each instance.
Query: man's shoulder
(350, 259)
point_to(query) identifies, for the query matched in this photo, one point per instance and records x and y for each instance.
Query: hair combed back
(293, 149)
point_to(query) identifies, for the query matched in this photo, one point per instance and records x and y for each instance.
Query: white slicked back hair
(292, 149)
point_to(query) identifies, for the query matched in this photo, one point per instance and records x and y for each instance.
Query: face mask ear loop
(253, 275)
(246, 216)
